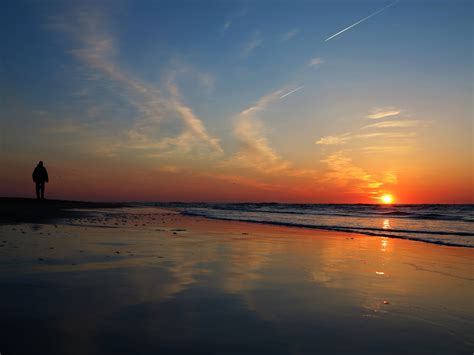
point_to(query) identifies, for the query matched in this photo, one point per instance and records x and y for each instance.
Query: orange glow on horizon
(90, 180)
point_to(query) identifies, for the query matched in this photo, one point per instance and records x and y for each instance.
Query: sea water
(441, 224)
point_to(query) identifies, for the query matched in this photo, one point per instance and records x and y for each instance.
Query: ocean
(441, 224)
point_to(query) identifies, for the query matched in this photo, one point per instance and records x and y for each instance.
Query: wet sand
(27, 210)
(149, 281)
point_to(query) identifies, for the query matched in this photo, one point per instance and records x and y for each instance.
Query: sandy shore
(26, 210)
(148, 281)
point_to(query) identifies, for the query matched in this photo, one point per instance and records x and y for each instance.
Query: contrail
(365, 18)
(291, 92)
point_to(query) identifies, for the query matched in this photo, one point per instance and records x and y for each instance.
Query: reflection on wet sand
(186, 285)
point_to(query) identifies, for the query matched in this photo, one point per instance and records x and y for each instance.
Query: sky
(281, 101)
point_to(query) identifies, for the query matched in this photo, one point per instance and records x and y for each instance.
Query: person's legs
(42, 190)
(38, 190)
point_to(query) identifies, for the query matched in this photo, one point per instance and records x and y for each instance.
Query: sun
(387, 199)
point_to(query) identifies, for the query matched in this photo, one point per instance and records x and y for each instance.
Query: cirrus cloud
(394, 124)
(383, 112)
(315, 62)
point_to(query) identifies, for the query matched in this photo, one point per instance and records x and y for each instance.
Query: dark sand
(25, 210)
(150, 281)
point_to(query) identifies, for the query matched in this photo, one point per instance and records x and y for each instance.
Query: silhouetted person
(40, 177)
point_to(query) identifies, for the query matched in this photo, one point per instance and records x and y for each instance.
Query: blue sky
(153, 84)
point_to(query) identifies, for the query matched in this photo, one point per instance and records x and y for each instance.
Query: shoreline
(151, 280)
(15, 210)
(340, 230)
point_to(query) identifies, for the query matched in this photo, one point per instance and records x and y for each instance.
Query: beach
(112, 279)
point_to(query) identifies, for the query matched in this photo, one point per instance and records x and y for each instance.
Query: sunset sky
(239, 100)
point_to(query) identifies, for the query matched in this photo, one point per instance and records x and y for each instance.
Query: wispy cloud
(207, 81)
(255, 41)
(254, 148)
(334, 140)
(231, 19)
(394, 124)
(97, 50)
(315, 62)
(387, 135)
(158, 108)
(255, 151)
(346, 137)
(195, 131)
(289, 35)
(398, 149)
(226, 26)
(382, 112)
(390, 177)
(67, 126)
(344, 173)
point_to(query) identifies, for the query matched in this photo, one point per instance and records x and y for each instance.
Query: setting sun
(387, 199)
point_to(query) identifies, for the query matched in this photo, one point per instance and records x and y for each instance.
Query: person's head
(40, 163)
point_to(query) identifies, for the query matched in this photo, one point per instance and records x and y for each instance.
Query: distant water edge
(441, 224)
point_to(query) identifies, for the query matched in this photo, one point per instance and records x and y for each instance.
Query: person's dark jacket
(40, 175)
